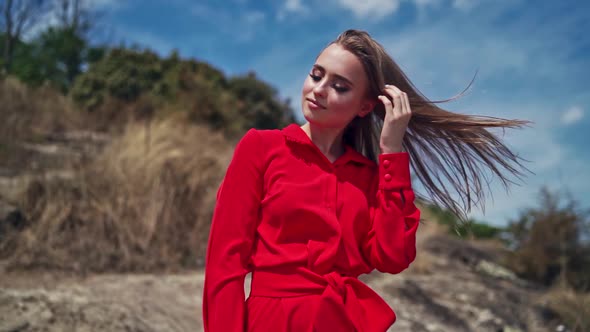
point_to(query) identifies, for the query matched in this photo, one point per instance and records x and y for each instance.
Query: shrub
(144, 203)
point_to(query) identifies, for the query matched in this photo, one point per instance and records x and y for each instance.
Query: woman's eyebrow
(322, 69)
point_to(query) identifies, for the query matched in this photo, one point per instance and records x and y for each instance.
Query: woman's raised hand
(397, 117)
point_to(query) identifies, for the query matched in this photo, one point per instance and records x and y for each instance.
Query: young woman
(307, 209)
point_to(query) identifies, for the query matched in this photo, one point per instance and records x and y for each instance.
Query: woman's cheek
(307, 85)
(340, 102)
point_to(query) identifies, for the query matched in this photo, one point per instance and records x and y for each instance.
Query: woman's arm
(390, 244)
(231, 238)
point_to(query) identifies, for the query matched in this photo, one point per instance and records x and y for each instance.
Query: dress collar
(293, 132)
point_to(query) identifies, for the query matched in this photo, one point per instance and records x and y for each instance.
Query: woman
(308, 209)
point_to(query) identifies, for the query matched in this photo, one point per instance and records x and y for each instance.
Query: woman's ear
(366, 108)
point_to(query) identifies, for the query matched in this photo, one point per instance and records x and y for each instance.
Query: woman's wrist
(391, 149)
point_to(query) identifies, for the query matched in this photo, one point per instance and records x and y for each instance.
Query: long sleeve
(232, 236)
(390, 244)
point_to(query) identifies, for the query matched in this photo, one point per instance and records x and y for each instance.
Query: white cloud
(292, 7)
(464, 5)
(101, 4)
(374, 9)
(241, 27)
(378, 9)
(209, 13)
(525, 49)
(431, 52)
(537, 143)
(421, 3)
(572, 115)
(253, 17)
(295, 6)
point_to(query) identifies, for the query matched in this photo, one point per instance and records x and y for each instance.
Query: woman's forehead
(337, 60)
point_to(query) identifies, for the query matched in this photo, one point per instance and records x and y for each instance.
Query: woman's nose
(319, 89)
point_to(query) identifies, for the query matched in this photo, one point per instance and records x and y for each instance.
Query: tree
(62, 52)
(78, 16)
(58, 53)
(65, 47)
(551, 242)
(17, 17)
(261, 105)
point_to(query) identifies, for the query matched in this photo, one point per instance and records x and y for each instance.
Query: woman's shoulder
(267, 138)
(260, 135)
(267, 134)
(260, 141)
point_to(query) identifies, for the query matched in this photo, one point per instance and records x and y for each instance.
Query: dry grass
(144, 203)
(429, 226)
(29, 113)
(425, 262)
(572, 307)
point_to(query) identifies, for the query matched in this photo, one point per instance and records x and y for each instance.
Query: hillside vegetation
(110, 160)
(140, 195)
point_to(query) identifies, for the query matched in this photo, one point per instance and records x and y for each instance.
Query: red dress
(306, 228)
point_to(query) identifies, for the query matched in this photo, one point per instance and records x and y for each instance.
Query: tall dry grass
(573, 308)
(425, 262)
(29, 113)
(144, 203)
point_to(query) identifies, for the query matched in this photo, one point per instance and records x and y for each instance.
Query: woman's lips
(314, 105)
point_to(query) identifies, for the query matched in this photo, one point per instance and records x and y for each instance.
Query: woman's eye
(340, 88)
(316, 78)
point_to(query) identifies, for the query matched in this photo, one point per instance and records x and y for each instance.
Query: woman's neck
(327, 140)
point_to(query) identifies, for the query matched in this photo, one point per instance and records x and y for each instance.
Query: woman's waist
(337, 292)
(297, 281)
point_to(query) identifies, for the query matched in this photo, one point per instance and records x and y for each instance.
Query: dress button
(387, 177)
(386, 163)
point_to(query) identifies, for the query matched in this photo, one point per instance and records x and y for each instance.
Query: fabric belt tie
(346, 303)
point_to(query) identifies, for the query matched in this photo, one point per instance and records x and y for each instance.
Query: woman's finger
(406, 101)
(387, 103)
(398, 105)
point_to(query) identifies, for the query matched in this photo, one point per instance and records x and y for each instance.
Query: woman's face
(336, 89)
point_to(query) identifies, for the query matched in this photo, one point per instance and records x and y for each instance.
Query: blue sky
(533, 59)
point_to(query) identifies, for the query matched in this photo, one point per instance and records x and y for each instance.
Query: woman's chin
(308, 115)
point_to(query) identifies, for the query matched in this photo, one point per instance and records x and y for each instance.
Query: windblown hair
(447, 150)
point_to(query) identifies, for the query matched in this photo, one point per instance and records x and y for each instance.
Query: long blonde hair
(446, 148)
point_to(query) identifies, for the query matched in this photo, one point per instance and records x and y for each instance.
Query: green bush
(55, 57)
(204, 93)
(109, 81)
(472, 228)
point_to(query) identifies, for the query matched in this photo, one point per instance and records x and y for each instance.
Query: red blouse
(306, 228)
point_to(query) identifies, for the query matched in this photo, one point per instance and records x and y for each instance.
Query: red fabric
(306, 228)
